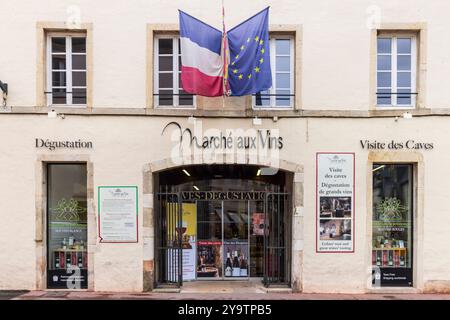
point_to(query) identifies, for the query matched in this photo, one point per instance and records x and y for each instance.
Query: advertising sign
(118, 214)
(335, 202)
(188, 234)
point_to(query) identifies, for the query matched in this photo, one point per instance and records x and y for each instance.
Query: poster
(335, 202)
(118, 214)
(209, 262)
(188, 233)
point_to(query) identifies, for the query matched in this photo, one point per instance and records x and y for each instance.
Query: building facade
(115, 179)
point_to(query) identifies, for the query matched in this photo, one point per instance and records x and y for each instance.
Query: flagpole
(225, 55)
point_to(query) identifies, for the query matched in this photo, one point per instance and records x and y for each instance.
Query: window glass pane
(185, 99)
(79, 62)
(282, 64)
(383, 79)
(165, 46)
(58, 61)
(384, 62)
(404, 62)
(59, 79)
(165, 63)
(283, 99)
(79, 45)
(403, 79)
(384, 97)
(59, 96)
(282, 46)
(384, 45)
(404, 97)
(67, 226)
(165, 97)
(403, 45)
(79, 96)
(262, 99)
(58, 44)
(392, 225)
(283, 80)
(79, 78)
(165, 80)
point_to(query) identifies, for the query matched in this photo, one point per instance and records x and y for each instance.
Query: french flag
(201, 59)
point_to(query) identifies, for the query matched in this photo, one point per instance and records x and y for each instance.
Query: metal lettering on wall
(62, 144)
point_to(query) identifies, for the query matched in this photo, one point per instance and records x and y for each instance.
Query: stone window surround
(416, 159)
(297, 209)
(42, 28)
(173, 29)
(41, 215)
(419, 28)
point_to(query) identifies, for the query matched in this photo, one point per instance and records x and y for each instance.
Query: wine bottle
(228, 265)
(402, 260)
(379, 258)
(244, 267)
(80, 259)
(390, 259)
(57, 263)
(236, 268)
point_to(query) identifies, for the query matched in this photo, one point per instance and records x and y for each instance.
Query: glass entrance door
(223, 250)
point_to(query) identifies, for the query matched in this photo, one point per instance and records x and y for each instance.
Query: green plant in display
(390, 209)
(68, 210)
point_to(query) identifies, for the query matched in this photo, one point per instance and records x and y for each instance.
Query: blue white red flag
(201, 57)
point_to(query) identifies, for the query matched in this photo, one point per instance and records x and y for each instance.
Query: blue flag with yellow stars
(249, 63)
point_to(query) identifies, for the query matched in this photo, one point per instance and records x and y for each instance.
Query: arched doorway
(222, 222)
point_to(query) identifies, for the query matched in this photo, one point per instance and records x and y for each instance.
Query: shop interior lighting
(378, 168)
(186, 172)
(196, 188)
(258, 173)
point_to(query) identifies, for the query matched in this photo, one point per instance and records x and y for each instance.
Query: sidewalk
(84, 295)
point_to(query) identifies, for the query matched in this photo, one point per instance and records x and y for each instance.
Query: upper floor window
(396, 70)
(281, 94)
(66, 69)
(168, 91)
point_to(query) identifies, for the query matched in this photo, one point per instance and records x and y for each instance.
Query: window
(396, 70)
(168, 90)
(67, 226)
(66, 69)
(281, 95)
(392, 225)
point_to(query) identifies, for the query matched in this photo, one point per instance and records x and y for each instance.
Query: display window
(392, 225)
(67, 258)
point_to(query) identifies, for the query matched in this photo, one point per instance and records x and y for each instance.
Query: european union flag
(249, 67)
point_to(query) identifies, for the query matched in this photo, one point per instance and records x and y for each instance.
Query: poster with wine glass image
(235, 259)
(335, 196)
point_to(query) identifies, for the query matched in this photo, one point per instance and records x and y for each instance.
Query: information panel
(335, 202)
(118, 214)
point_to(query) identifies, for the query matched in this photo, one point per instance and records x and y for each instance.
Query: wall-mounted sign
(396, 145)
(335, 202)
(229, 139)
(118, 214)
(223, 195)
(62, 144)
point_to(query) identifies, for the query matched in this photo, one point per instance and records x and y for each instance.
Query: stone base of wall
(437, 286)
(148, 276)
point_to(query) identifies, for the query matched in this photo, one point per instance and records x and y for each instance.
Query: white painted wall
(123, 145)
(335, 56)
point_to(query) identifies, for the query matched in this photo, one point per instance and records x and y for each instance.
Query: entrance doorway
(222, 223)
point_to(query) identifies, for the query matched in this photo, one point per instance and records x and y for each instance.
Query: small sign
(118, 213)
(335, 201)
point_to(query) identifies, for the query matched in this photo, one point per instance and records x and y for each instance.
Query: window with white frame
(281, 94)
(168, 90)
(66, 69)
(396, 70)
